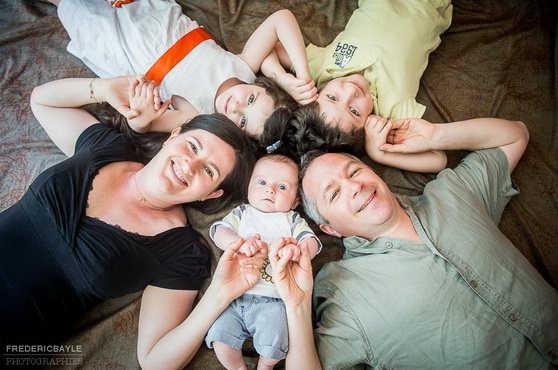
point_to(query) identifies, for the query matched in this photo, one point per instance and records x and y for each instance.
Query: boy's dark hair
(302, 130)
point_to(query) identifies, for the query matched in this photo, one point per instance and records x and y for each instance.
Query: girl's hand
(236, 273)
(293, 280)
(303, 90)
(144, 99)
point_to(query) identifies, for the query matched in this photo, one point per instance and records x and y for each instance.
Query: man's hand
(293, 280)
(413, 135)
(290, 248)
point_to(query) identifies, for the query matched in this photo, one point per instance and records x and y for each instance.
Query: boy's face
(248, 106)
(273, 186)
(346, 102)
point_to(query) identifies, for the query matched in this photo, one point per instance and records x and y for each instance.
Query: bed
(497, 59)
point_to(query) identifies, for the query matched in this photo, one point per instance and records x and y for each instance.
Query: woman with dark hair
(104, 223)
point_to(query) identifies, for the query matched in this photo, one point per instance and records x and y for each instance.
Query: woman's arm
(170, 331)
(377, 131)
(418, 135)
(294, 283)
(57, 105)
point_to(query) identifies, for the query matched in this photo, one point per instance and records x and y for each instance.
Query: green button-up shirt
(466, 298)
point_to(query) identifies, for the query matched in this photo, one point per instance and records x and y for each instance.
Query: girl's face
(189, 167)
(248, 106)
(346, 102)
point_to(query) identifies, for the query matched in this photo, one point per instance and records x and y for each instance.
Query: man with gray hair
(428, 281)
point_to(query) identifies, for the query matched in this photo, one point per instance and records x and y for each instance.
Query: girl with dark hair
(104, 223)
(154, 38)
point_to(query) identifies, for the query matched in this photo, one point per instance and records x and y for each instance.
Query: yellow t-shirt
(391, 41)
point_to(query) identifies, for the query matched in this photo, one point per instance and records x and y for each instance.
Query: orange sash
(176, 53)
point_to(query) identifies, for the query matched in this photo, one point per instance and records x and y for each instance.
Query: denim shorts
(262, 318)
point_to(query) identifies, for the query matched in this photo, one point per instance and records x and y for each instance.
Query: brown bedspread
(498, 59)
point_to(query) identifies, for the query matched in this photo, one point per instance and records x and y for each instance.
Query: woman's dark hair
(302, 130)
(234, 185)
(146, 145)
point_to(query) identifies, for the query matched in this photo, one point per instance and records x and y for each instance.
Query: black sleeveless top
(56, 263)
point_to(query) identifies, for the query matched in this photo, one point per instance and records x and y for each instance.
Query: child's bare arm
(224, 236)
(173, 118)
(377, 130)
(313, 246)
(280, 27)
(303, 90)
(142, 100)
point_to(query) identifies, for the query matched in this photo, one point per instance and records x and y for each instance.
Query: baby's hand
(377, 130)
(294, 248)
(303, 90)
(251, 245)
(144, 98)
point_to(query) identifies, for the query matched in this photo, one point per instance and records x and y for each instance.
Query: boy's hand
(144, 99)
(303, 90)
(377, 130)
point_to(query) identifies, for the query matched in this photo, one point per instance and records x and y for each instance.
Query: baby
(269, 216)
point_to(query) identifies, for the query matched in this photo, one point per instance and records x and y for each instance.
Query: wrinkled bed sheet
(497, 59)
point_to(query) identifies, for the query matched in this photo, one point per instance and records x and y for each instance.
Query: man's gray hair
(309, 204)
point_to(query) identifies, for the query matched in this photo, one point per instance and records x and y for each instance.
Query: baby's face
(346, 102)
(248, 106)
(273, 186)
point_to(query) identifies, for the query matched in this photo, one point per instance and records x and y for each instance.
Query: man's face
(346, 102)
(353, 199)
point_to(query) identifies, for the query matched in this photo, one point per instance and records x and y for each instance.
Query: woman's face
(346, 102)
(190, 167)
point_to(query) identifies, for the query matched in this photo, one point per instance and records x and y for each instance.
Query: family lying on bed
(426, 281)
